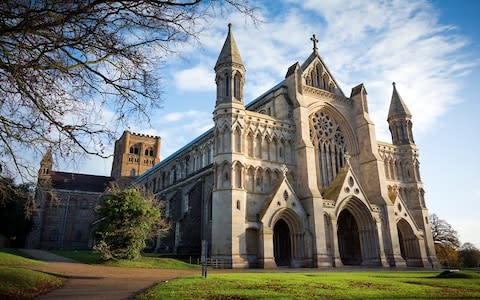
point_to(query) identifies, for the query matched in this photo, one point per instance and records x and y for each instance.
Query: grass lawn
(19, 283)
(146, 262)
(12, 257)
(318, 285)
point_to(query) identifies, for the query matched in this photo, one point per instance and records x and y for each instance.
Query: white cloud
(181, 115)
(361, 41)
(198, 78)
(403, 41)
(179, 127)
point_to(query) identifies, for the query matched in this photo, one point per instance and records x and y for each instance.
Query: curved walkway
(99, 282)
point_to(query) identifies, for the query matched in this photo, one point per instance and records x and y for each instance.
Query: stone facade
(134, 154)
(66, 215)
(296, 177)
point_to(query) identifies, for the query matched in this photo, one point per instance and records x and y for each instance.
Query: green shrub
(130, 218)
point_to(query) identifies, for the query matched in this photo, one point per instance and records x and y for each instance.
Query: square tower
(134, 154)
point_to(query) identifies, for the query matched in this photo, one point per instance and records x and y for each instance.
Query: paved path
(99, 282)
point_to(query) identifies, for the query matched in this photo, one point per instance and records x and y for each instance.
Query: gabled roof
(282, 197)
(229, 53)
(79, 182)
(398, 108)
(309, 61)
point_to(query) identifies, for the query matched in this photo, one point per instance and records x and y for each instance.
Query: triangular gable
(311, 61)
(282, 197)
(401, 212)
(346, 186)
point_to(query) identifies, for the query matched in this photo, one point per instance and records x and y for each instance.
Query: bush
(130, 218)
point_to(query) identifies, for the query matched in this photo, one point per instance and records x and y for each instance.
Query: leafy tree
(15, 211)
(448, 256)
(446, 242)
(130, 218)
(470, 255)
(64, 63)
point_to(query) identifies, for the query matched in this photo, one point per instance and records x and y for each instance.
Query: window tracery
(329, 142)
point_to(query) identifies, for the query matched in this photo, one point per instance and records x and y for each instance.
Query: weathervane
(315, 41)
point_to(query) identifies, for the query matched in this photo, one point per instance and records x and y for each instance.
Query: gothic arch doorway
(349, 239)
(282, 249)
(409, 247)
(357, 235)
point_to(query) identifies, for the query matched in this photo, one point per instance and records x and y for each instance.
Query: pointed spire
(46, 164)
(47, 157)
(398, 108)
(229, 53)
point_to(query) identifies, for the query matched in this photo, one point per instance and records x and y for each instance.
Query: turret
(229, 196)
(46, 164)
(230, 72)
(400, 120)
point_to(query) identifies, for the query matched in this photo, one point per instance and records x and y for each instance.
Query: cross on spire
(315, 41)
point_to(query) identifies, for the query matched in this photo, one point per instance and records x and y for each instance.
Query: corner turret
(399, 120)
(230, 72)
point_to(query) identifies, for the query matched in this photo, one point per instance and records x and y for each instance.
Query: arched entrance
(349, 239)
(282, 249)
(409, 247)
(357, 234)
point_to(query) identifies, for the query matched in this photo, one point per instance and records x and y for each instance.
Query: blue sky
(429, 48)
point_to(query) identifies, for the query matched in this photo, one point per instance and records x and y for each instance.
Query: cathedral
(294, 178)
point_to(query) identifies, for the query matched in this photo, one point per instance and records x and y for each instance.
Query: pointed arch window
(237, 86)
(258, 146)
(250, 180)
(325, 81)
(238, 176)
(330, 147)
(238, 140)
(250, 144)
(319, 76)
(227, 85)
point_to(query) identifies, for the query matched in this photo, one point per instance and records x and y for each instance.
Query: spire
(397, 106)
(47, 163)
(399, 120)
(47, 157)
(229, 53)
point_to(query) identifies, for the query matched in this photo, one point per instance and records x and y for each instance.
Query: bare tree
(443, 233)
(63, 64)
(446, 242)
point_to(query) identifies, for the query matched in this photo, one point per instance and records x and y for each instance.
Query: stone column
(381, 246)
(336, 258)
(267, 258)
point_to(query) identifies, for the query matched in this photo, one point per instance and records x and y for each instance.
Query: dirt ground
(99, 282)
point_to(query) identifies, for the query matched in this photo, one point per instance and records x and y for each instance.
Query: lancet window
(237, 86)
(329, 143)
